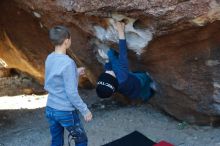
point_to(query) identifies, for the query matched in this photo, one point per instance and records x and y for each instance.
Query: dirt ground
(28, 127)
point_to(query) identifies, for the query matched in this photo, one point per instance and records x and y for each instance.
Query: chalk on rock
(37, 14)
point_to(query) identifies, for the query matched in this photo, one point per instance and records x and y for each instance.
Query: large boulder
(176, 41)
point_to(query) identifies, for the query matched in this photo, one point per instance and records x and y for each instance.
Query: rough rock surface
(176, 41)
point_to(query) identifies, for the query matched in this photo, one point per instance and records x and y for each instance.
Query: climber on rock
(118, 78)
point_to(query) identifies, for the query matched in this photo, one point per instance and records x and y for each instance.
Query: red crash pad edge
(163, 143)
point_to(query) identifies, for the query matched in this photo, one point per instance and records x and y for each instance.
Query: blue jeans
(58, 120)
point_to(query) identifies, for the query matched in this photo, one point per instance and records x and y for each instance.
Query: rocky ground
(28, 127)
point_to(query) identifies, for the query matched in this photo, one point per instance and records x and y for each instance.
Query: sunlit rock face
(176, 41)
(23, 43)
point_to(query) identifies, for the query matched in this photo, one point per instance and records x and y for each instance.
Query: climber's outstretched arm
(123, 59)
(119, 63)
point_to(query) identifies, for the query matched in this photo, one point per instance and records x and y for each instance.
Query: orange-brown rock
(176, 41)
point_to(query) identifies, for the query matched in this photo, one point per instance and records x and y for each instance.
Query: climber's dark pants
(145, 80)
(58, 120)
